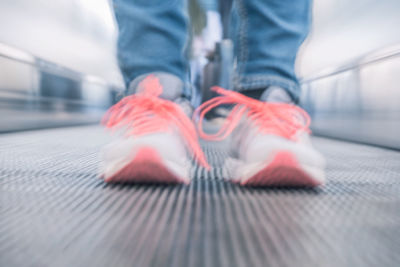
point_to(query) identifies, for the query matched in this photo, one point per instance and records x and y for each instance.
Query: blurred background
(58, 66)
(78, 34)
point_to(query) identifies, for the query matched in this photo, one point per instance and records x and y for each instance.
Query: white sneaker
(155, 140)
(269, 143)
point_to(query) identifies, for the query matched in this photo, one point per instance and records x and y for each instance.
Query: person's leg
(269, 35)
(152, 37)
(269, 140)
(156, 140)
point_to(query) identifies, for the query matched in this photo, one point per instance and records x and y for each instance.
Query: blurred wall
(343, 30)
(79, 34)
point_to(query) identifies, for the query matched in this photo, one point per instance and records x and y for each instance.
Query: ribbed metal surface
(54, 211)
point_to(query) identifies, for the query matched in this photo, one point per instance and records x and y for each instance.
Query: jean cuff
(253, 82)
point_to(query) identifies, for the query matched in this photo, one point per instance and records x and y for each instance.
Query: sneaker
(155, 140)
(269, 141)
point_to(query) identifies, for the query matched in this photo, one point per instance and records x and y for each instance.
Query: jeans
(267, 34)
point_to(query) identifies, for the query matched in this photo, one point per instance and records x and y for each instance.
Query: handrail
(24, 57)
(367, 59)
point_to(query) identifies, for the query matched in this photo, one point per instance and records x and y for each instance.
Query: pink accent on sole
(146, 167)
(283, 170)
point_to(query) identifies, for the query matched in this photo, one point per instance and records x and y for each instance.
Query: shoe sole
(283, 170)
(146, 167)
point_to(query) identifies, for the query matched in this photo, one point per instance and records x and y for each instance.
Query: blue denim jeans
(267, 34)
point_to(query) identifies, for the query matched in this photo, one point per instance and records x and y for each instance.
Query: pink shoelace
(145, 112)
(286, 120)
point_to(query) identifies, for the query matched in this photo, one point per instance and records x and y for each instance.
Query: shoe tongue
(276, 94)
(219, 112)
(173, 89)
(272, 94)
(172, 85)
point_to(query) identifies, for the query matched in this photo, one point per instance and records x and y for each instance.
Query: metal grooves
(55, 212)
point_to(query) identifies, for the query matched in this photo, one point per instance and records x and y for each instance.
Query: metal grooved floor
(54, 211)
